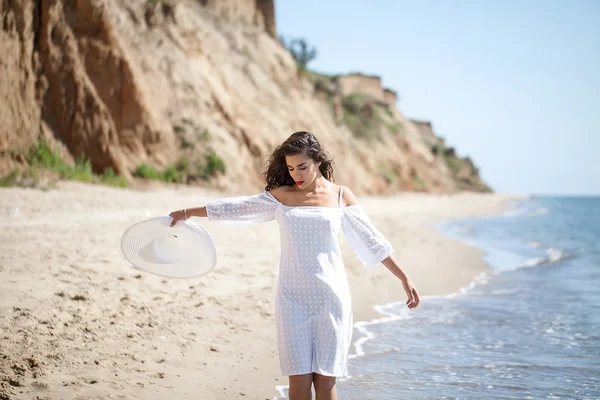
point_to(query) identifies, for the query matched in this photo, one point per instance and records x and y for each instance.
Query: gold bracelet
(185, 213)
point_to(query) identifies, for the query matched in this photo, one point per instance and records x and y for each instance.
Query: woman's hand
(178, 216)
(411, 293)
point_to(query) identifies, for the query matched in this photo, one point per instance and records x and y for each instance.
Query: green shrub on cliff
(170, 174)
(418, 183)
(184, 170)
(214, 164)
(361, 116)
(147, 172)
(10, 179)
(109, 177)
(41, 157)
(389, 175)
(454, 164)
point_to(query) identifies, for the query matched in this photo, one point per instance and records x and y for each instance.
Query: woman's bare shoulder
(280, 189)
(280, 192)
(348, 198)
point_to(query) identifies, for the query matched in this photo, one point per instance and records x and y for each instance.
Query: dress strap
(340, 198)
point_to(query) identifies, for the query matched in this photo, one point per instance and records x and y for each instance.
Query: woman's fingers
(175, 219)
(413, 298)
(416, 297)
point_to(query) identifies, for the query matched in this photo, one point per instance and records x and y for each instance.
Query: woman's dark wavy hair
(277, 173)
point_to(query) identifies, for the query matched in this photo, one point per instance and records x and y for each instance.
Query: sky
(514, 84)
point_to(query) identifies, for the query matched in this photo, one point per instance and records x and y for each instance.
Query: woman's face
(302, 169)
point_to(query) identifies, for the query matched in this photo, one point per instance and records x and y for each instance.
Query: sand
(77, 321)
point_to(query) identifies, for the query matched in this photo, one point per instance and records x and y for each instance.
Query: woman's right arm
(197, 212)
(238, 210)
(187, 213)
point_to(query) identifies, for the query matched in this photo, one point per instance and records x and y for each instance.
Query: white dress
(313, 310)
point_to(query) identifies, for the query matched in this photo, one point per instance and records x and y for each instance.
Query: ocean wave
(394, 312)
(283, 392)
(532, 262)
(539, 211)
(553, 256)
(362, 326)
(526, 212)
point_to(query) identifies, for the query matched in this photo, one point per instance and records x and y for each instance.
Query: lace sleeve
(366, 241)
(243, 209)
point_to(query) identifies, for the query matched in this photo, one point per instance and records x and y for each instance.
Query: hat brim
(185, 250)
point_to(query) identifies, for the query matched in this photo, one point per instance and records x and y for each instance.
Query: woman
(313, 310)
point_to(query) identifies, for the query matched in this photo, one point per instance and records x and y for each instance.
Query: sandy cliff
(126, 82)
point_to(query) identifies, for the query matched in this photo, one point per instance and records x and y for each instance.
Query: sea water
(528, 329)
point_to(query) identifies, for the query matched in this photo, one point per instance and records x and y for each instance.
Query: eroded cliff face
(19, 69)
(126, 82)
(461, 170)
(367, 85)
(81, 89)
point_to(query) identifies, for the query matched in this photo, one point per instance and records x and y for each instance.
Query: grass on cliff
(418, 183)
(203, 164)
(184, 170)
(389, 175)
(454, 164)
(41, 158)
(362, 116)
(360, 113)
(325, 84)
(186, 129)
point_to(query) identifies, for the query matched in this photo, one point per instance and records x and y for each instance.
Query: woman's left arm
(349, 199)
(411, 292)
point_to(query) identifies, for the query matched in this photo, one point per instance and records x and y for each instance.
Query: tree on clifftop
(300, 51)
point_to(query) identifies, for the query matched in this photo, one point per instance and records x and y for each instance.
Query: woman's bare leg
(325, 387)
(300, 387)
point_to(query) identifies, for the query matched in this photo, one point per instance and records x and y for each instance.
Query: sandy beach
(77, 321)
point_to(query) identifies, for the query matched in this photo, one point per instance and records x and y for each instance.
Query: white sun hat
(185, 250)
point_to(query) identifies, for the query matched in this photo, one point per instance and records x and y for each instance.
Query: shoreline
(424, 245)
(80, 321)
